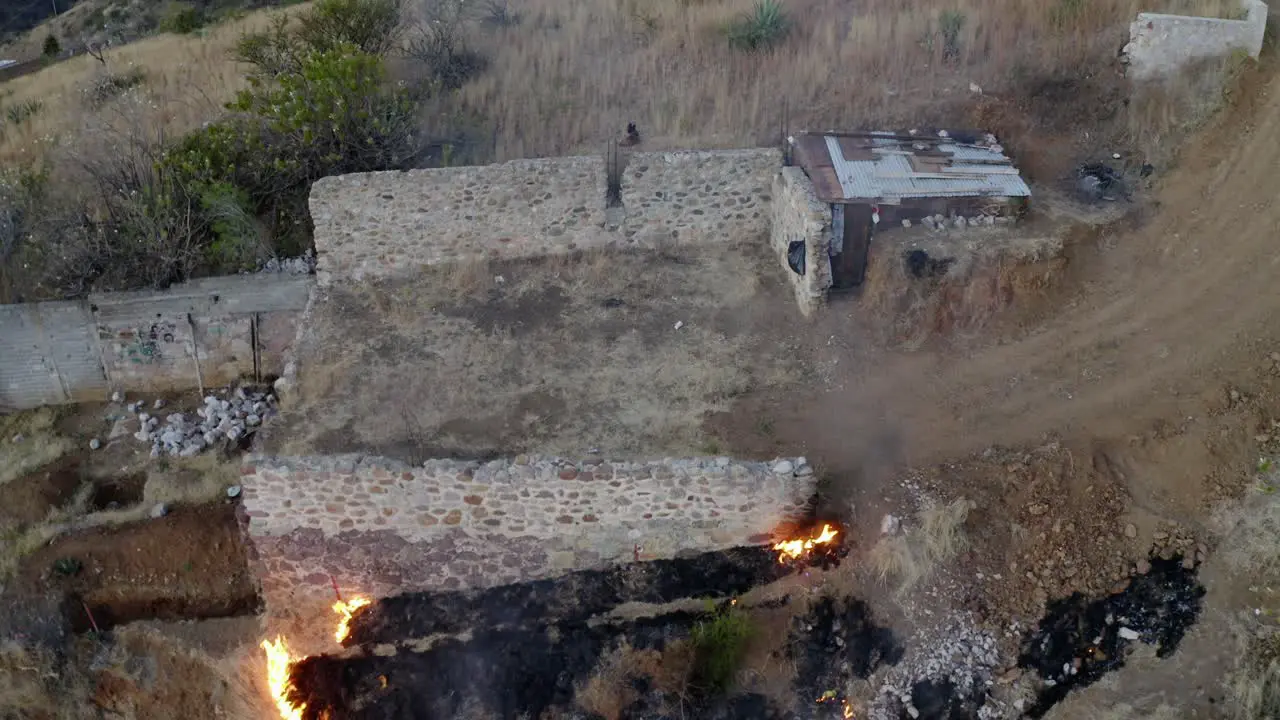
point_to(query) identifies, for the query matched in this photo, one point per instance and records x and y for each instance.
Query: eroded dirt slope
(1172, 315)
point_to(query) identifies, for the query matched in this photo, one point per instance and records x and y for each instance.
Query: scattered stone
(159, 403)
(679, 324)
(783, 467)
(188, 435)
(116, 397)
(1128, 634)
(159, 510)
(17, 438)
(94, 444)
(233, 491)
(1131, 531)
(889, 525)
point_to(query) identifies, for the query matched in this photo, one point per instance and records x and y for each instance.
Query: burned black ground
(1079, 641)
(575, 596)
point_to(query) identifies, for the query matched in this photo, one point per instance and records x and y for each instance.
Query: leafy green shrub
(719, 645)
(763, 28)
(51, 47)
(183, 18)
(370, 25)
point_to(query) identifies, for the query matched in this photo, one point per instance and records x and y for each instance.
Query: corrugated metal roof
(907, 166)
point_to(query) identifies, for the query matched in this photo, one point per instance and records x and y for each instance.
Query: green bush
(763, 28)
(51, 48)
(370, 25)
(719, 645)
(950, 23)
(183, 18)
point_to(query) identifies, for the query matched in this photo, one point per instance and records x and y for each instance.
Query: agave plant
(764, 27)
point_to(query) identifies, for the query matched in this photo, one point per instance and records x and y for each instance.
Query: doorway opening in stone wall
(849, 257)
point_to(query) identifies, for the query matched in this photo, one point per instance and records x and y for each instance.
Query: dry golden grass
(40, 442)
(913, 555)
(180, 481)
(570, 76)
(188, 78)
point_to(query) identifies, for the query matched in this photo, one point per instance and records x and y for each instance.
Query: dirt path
(1173, 313)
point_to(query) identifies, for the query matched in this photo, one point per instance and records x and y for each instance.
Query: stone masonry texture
(706, 197)
(379, 527)
(395, 223)
(799, 216)
(1160, 45)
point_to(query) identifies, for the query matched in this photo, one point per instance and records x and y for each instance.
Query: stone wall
(1160, 45)
(380, 528)
(65, 352)
(382, 223)
(798, 215)
(687, 197)
(392, 223)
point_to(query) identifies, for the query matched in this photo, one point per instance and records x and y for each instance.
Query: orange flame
(792, 549)
(279, 659)
(345, 610)
(846, 710)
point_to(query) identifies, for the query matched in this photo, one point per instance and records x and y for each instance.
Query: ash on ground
(229, 420)
(1079, 640)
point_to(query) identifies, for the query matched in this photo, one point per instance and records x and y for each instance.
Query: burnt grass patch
(1080, 640)
(575, 596)
(835, 642)
(530, 671)
(527, 649)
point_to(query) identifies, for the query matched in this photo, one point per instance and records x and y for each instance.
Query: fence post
(195, 354)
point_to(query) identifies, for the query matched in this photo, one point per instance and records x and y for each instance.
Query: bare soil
(191, 563)
(620, 353)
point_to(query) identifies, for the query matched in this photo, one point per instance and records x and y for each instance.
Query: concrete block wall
(395, 223)
(380, 528)
(149, 341)
(798, 215)
(1160, 45)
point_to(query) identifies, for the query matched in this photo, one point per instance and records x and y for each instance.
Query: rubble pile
(951, 664)
(231, 419)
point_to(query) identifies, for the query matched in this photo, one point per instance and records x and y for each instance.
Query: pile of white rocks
(304, 264)
(957, 652)
(233, 418)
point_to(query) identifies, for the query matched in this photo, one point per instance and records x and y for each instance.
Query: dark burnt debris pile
(531, 649)
(1079, 640)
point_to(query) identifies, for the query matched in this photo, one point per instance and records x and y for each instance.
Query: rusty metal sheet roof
(886, 166)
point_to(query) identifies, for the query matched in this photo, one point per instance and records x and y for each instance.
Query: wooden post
(195, 354)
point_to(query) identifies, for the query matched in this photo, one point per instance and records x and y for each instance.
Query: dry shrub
(40, 442)
(29, 677)
(1255, 686)
(191, 481)
(609, 691)
(914, 555)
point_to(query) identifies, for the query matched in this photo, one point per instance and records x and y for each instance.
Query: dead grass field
(188, 78)
(566, 77)
(565, 355)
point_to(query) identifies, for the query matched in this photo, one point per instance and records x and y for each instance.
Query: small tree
(52, 48)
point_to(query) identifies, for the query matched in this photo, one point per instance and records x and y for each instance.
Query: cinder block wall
(1160, 45)
(63, 352)
(379, 528)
